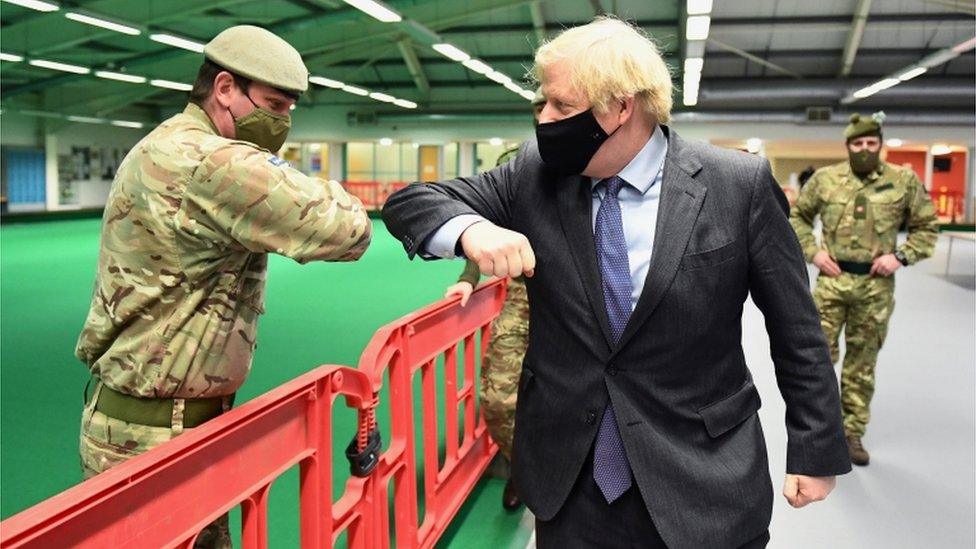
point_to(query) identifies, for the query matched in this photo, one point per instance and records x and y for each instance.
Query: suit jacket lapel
(681, 201)
(575, 214)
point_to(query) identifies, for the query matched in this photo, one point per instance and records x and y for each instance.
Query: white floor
(920, 489)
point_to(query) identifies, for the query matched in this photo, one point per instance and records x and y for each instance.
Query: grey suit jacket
(684, 399)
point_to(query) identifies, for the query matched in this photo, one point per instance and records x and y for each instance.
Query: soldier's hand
(462, 289)
(885, 265)
(497, 251)
(800, 490)
(826, 264)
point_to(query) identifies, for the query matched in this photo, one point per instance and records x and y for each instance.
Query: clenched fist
(497, 251)
(800, 490)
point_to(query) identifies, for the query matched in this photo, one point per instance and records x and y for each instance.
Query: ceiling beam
(414, 66)
(538, 22)
(854, 36)
(669, 23)
(754, 58)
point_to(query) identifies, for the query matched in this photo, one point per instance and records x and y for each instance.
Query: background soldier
(861, 204)
(194, 210)
(502, 364)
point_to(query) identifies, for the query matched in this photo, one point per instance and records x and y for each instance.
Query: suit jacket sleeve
(414, 213)
(780, 288)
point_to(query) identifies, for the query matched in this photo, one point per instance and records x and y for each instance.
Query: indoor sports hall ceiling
(760, 59)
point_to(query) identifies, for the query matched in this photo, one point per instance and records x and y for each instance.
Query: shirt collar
(194, 111)
(642, 170)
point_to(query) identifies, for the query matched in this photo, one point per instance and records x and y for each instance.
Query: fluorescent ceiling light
(940, 149)
(86, 119)
(169, 84)
(34, 5)
(965, 46)
(176, 41)
(451, 52)
(382, 97)
(327, 82)
(386, 141)
(696, 27)
(495, 141)
(105, 24)
(376, 9)
(699, 7)
(909, 74)
(477, 66)
(122, 77)
(53, 65)
(405, 104)
(512, 86)
(690, 100)
(498, 77)
(354, 90)
(894, 142)
(529, 95)
(11, 57)
(886, 83)
(694, 64)
(865, 92)
(126, 124)
(753, 144)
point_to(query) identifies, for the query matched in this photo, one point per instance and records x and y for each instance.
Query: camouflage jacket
(188, 224)
(861, 218)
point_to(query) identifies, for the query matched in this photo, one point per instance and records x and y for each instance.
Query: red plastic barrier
(164, 497)
(373, 194)
(368, 192)
(406, 347)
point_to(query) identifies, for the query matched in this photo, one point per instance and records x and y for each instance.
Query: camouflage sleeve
(259, 202)
(471, 273)
(923, 229)
(804, 211)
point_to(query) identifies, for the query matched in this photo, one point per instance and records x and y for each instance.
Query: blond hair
(611, 60)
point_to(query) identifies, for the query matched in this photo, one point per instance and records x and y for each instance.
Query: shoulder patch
(275, 161)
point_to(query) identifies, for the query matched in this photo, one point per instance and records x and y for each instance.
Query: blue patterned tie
(611, 471)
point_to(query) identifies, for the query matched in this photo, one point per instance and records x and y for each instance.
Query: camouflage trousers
(861, 306)
(106, 442)
(502, 366)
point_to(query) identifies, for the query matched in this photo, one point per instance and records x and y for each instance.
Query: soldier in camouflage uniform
(194, 210)
(861, 204)
(502, 363)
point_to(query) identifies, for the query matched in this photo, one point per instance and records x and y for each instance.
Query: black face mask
(568, 145)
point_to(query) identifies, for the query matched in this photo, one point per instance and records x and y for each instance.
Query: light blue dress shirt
(639, 201)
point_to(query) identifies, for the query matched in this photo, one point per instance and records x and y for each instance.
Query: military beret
(259, 54)
(864, 125)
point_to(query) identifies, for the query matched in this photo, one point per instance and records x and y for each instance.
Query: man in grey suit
(637, 420)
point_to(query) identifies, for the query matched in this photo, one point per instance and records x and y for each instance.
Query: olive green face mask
(864, 162)
(262, 127)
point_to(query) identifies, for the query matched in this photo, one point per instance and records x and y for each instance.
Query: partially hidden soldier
(861, 204)
(502, 363)
(194, 211)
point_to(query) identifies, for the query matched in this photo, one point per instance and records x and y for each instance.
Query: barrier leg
(254, 517)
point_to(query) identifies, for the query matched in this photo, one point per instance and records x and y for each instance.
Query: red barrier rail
(164, 497)
(373, 194)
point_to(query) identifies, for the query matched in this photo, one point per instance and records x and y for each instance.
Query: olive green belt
(156, 412)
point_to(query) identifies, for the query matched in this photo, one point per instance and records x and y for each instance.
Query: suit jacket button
(590, 417)
(612, 370)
